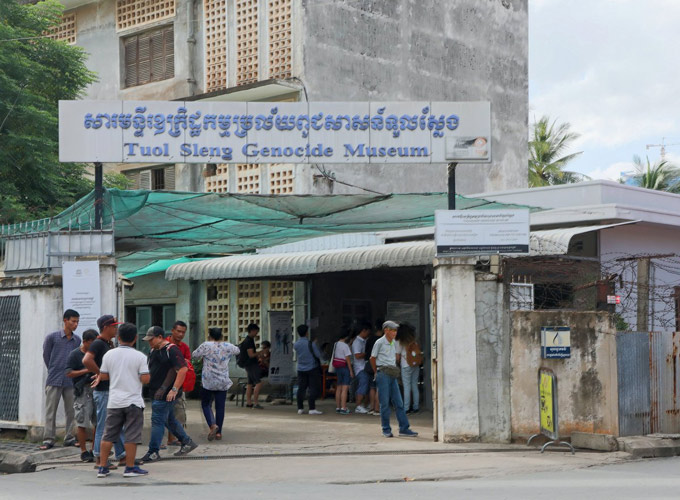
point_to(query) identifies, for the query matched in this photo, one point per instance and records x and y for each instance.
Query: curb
(17, 461)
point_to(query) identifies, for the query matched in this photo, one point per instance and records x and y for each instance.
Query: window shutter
(144, 69)
(145, 179)
(131, 53)
(157, 59)
(170, 178)
(134, 178)
(169, 53)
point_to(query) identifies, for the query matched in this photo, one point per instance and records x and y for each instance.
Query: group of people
(101, 386)
(375, 363)
(101, 383)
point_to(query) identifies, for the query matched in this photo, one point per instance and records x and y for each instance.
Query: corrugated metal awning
(410, 254)
(406, 254)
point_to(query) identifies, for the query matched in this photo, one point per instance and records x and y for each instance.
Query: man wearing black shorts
(126, 369)
(252, 367)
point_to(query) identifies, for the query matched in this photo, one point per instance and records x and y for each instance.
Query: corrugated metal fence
(648, 382)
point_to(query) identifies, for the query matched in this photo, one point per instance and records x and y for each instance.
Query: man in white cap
(384, 364)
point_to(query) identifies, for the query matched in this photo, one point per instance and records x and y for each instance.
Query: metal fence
(648, 382)
(9, 357)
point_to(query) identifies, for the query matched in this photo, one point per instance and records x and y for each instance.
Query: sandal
(218, 436)
(212, 433)
(47, 445)
(249, 406)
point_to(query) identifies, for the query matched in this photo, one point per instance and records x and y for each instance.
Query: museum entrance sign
(265, 132)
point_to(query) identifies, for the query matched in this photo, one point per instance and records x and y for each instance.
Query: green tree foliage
(35, 73)
(662, 175)
(548, 143)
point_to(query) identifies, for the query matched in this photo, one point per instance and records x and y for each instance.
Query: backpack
(242, 359)
(190, 378)
(414, 356)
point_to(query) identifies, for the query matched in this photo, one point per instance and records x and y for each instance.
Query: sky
(611, 69)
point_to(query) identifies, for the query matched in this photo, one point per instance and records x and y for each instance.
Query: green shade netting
(151, 226)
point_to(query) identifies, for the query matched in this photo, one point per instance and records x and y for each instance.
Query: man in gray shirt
(56, 349)
(384, 364)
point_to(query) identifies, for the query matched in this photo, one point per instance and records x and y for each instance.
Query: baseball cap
(107, 320)
(392, 325)
(154, 331)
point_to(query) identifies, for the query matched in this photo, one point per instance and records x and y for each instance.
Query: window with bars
(247, 60)
(131, 13)
(248, 178)
(217, 306)
(249, 306)
(149, 56)
(65, 31)
(215, 13)
(280, 38)
(281, 179)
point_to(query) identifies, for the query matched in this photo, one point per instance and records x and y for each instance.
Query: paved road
(510, 475)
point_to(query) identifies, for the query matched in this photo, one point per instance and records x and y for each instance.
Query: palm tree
(662, 175)
(546, 165)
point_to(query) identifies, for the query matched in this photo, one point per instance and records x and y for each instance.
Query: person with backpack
(308, 370)
(410, 358)
(168, 368)
(247, 359)
(373, 403)
(215, 379)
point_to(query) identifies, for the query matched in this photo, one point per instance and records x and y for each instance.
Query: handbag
(390, 371)
(331, 367)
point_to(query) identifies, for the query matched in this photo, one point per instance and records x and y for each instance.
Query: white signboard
(281, 336)
(82, 293)
(265, 132)
(481, 232)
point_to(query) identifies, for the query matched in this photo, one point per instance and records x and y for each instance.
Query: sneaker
(134, 472)
(344, 411)
(302, 412)
(361, 409)
(258, 407)
(87, 456)
(417, 410)
(151, 457)
(408, 412)
(388, 434)
(315, 412)
(337, 410)
(103, 472)
(408, 433)
(186, 448)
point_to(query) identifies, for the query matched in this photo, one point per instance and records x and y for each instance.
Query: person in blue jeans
(108, 327)
(406, 343)
(167, 368)
(384, 363)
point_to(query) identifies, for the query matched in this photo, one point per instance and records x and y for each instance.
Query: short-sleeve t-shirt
(75, 363)
(249, 343)
(183, 347)
(161, 361)
(342, 350)
(124, 365)
(98, 348)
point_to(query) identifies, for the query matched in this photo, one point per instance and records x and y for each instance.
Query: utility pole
(452, 185)
(98, 195)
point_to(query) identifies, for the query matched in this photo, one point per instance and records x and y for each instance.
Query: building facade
(302, 50)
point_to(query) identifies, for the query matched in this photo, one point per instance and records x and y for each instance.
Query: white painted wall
(456, 350)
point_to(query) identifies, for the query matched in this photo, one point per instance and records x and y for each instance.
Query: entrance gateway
(323, 132)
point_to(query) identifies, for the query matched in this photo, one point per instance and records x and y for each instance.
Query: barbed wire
(567, 282)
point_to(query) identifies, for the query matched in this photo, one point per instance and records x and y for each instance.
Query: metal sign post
(547, 410)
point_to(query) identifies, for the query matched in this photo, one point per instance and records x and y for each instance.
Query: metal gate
(9, 357)
(648, 382)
